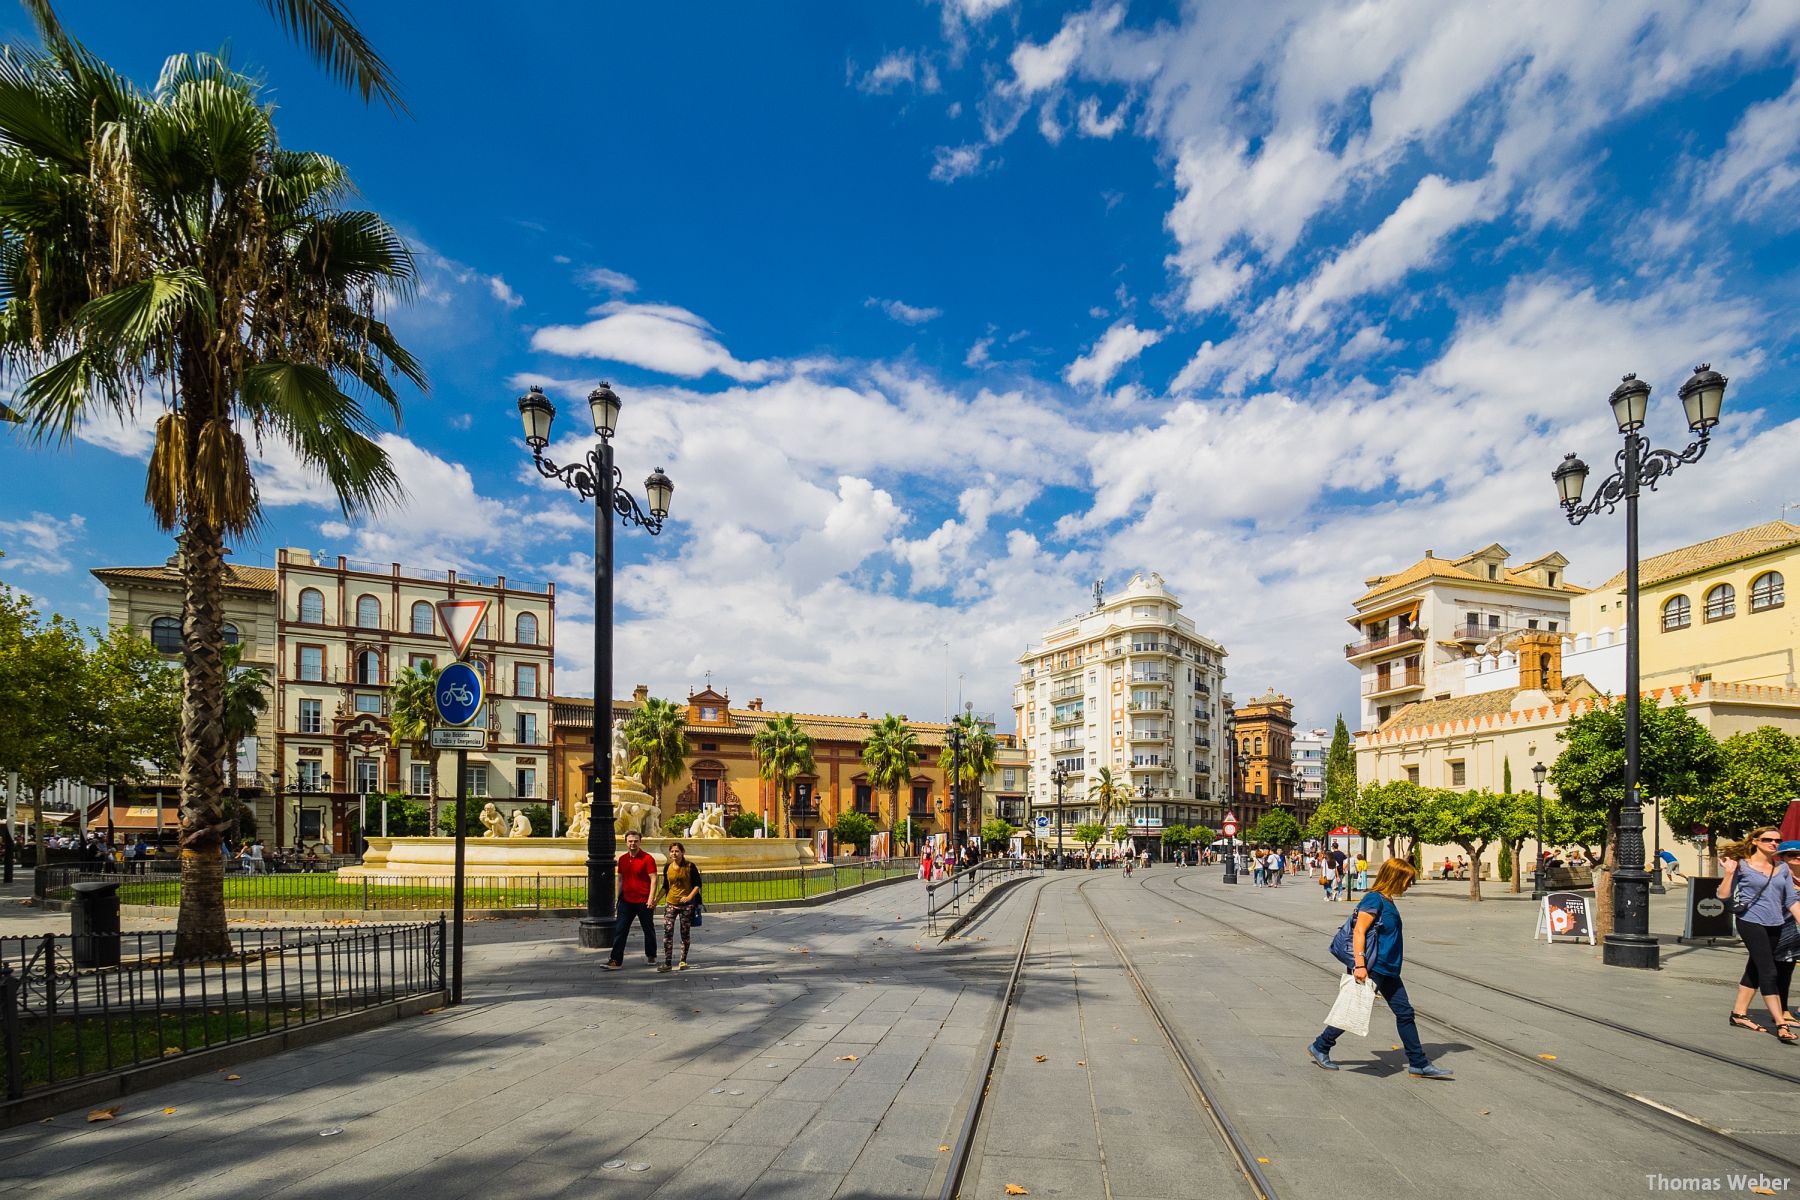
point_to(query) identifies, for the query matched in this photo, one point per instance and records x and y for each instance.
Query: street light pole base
(1631, 950)
(595, 935)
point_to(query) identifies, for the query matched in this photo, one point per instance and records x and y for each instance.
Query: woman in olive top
(1757, 879)
(1378, 949)
(681, 888)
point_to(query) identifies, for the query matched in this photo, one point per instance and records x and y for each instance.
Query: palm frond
(130, 321)
(332, 38)
(327, 429)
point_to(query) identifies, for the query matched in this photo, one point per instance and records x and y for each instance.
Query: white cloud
(977, 10)
(1092, 124)
(1117, 346)
(903, 312)
(38, 544)
(1757, 166)
(978, 353)
(503, 293)
(950, 163)
(1040, 68)
(901, 68)
(660, 337)
(604, 279)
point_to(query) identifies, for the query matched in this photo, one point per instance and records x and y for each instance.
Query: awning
(1343, 831)
(139, 818)
(1409, 610)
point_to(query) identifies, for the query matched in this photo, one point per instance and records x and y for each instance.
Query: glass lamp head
(537, 413)
(1702, 396)
(659, 488)
(605, 405)
(1630, 402)
(1570, 478)
(1538, 772)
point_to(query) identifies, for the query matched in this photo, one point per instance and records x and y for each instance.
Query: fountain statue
(584, 816)
(709, 824)
(492, 821)
(521, 824)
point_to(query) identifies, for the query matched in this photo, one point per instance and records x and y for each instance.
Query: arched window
(368, 666)
(368, 612)
(526, 627)
(1677, 614)
(229, 633)
(1766, 592)
(165, 634)
(312, 606)
(422, 618)
(1259, 745)
(1721, 602)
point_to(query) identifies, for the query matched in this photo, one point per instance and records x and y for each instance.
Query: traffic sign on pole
(459, 739)
(459, 695)
(1230, 824)
(460, 619)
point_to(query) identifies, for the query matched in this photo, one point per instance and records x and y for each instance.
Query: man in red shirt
(637, 871)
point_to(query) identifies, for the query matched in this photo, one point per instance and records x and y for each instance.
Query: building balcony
(1066, 692)
(1402, 635)
(1202, 742)
(1072, 719)
(1148, 735)
(1150, 648)
(1065, 747)
(1152, 677)
(1149, 706)
(805, 812)
(1395, 684)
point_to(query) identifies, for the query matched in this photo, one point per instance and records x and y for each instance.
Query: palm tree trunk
(200, 924)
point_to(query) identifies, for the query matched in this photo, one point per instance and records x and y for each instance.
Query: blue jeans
(1394, 992)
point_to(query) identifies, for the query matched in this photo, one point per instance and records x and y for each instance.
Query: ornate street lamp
(596, 478)
(1702, 396)
(1537, 874)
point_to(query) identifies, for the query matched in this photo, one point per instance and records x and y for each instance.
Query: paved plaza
(833, 1051)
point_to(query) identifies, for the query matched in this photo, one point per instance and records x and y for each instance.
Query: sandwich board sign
(1565, 915)
(460, 619)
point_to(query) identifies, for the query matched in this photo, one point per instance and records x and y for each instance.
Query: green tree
(1110, 793)
(1759, 772)
(1120, 833)
(539, 816)
(1390, 812)
(412, 715)
(676, 824)
(852, 829)
(656, 738)
(137, 709)
(976, 761)
(48, 694)
(1472, 819)
(784, 752)
(406, 817)
(743, 825)
(996, 834)
(322, 27)
(1506, 866)
(1176, 839)
(1520, 824)
(1676, 757)
(446, 821)
(1277, 827)
(246, 700)
(891, 754)
(1088, 835)
(1340, 770)
(162, 253)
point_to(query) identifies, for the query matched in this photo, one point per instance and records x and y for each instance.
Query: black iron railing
(952, 897)
(60, 1021)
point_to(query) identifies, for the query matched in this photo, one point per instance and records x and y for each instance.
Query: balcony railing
(1139, 734)
(1074, 718)
(1153, 677)
(1398, 682)
(1150, 706)
(1066, 693)
(1403, 634)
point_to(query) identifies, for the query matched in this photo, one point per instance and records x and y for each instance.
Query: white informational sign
(459, 739)
(459, 620)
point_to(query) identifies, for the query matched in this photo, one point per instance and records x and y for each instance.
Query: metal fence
(61, 1022)
(484, 893)
(952, 898)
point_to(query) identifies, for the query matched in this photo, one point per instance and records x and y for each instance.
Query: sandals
(1743, 1021)
(1785, 1032)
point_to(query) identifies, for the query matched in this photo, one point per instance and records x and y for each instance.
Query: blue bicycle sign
(459, 694)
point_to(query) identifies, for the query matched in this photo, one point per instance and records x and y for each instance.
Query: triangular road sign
(460, 619)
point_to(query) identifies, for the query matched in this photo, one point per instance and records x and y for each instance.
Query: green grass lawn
(324, 890)
(80, 1047)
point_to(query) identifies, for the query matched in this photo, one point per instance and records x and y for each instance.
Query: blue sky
(937, 311)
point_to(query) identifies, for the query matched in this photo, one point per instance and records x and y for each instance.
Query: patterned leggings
(686, 913)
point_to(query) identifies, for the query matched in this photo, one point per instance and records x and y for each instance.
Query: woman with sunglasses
(1760, 888)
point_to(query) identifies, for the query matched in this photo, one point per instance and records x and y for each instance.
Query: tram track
(1204, 1095)
(1626, 1103)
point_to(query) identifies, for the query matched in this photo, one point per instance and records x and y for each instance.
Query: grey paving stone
(825, 1145)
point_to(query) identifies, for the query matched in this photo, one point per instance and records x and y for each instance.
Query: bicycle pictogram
(458, 694)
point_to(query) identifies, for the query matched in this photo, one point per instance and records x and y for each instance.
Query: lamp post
(596, 478)
(1537, 872)
(1630, 943)
(1059, 777)
(955, 790)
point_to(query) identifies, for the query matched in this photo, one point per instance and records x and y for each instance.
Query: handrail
(949, 895)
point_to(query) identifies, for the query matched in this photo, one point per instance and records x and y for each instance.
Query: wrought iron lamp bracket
(584, 478)
(1653, 465)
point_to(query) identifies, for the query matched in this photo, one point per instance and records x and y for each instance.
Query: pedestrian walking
(637, 870)
(1327, 879)
(1377, 952)
(681, 892)
(1257, 867)
(1277, 868)
(1760, 888)
(1787, 950)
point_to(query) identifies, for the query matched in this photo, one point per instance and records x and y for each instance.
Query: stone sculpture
(492, 821)
(621, 753)
(584, 815)
(709, 824)
(632, 816)
(521, 824)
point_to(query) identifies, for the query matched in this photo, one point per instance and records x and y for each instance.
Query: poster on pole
(878, 845)
(822, 845)
(1565, 915)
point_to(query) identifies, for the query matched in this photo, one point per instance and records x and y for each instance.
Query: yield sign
(460, 619)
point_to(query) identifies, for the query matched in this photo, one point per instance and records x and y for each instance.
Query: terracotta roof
(255, 579)
(1479, 704)
(1443, 568)
(1702, 556)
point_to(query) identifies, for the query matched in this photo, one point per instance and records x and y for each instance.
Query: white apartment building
(1417, 628)
(1309, 768)
(1130, 685)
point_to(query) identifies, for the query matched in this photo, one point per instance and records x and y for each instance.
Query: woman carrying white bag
(1372, 946)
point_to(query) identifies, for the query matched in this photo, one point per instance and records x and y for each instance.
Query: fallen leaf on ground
(233, 1078)
(1484, 1112)
(846, 1058)
(941, 1149)
(1262, 1160)
(102, 1114)
(1081, 1062)
(171, 1050)
(1548, 1057)
(1042, 1058)
(1396, 1047)
(1134, 1039)
(168, 1112)
(1763, 1191)
(1013, 1189)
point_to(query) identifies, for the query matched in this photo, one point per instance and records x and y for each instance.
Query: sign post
(458, 700)
(1230, 827)
(1565, 914)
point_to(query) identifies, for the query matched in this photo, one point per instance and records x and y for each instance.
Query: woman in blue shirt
(1755, 877)
(1379, 950)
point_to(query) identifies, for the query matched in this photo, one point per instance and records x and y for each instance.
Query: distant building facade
(1264, 728)
(1310, 747)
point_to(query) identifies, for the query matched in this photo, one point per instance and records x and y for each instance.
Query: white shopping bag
(1350, 1012)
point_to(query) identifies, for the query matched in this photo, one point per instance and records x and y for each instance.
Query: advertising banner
(1566, 915)
(878, 845)
(822, 845)
(1707, 915)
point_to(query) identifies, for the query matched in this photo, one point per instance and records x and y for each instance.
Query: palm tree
(246, 700)
(784, 752)
(890, 754)
(1109, 793)
(321, 27)
(412, 715)
(975, 763)
(161, 251)
(656, 734)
